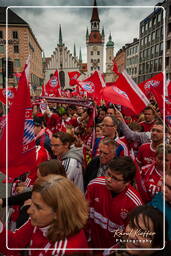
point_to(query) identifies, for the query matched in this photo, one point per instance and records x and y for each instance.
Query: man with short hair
(62, 145)
(111, 198)
(147, 151)
(149, 119)
(109, 129)
(98, 165)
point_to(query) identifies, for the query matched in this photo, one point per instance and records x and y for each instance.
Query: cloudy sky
(122, 22)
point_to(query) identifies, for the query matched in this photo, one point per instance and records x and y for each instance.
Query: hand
(1, 202)
(119, 115)
(20, 189)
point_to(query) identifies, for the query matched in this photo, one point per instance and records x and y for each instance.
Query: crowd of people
(100, 186)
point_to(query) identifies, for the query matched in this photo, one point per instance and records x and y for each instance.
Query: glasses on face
(103, 153)
(56, 145)
(112, 177)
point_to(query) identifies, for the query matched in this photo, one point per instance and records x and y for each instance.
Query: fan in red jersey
(149, 119)
(147, 151)
(150, 178)
(111, 198)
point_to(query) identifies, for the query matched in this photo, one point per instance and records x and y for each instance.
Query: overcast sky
(123, 23)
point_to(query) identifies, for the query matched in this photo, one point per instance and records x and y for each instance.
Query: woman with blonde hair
(58, 214)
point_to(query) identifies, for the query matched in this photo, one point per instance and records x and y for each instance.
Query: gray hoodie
(73, 164)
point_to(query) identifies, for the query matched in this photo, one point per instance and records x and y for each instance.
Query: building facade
(21, 44)
(95, 44)
(132, 58)
(64, 61)
(151, 45)
(167, 6)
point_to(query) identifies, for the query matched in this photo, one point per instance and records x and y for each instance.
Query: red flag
(154, 86)
(20, 143)
(116, 96)
(53, 87)
(93, 86)
(9, 93)
(74, 75)
(168, 88)
(136, 96)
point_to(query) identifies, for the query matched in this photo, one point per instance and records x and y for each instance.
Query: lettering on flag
(151, 83)
(115, 89)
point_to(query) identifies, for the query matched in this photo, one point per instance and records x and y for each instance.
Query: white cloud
(122, 23)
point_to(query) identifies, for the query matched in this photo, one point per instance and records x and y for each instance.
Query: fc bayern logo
(120, 92)
(88, 86)
(8, 93)
(53, 82)
(151, 83)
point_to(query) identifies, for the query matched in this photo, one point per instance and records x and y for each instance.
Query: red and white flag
(53, 87)
(92, 86)
(154, 86)
(7, 93)
(19, 130)
(74, 75)
(114, 95)
(137, 97)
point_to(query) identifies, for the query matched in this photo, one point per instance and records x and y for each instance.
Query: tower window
(98, 52)
(91, 52)
(15, 35)
(16, 49)
(1, 34)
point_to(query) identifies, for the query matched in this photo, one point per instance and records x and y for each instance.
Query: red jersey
(149, 182)
(36, 238)
(147, 126)
(108, 213)
(146, 154)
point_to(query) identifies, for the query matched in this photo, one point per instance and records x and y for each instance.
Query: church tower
(95, 43)
(109, 58)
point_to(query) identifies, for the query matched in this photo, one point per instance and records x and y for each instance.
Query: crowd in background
(98, 183)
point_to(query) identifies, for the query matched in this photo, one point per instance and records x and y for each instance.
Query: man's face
(58, 147)
(37, 129)
(107, 153)
(115, 181)
(108, 128)
(102, 115)
(157, 133)
(148, 115)
(110, 112)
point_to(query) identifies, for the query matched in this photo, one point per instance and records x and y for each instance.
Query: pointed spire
(103, 34)
(60, 36)
(95, 14)
(110, 42)
(80, 56)
(74, 51)
(43, 58)
(87, 34)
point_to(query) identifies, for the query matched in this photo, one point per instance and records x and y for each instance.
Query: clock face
(95, 48)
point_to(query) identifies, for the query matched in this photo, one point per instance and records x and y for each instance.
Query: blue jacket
(157, 202)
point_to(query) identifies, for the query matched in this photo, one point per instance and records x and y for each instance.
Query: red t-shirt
(108, 213)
